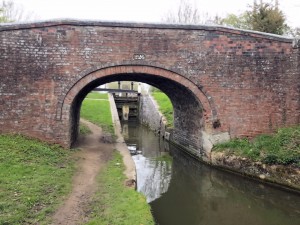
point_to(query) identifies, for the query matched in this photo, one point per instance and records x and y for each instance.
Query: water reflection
(153, 176)
(183, 191)
(153, 173)
(198, 194)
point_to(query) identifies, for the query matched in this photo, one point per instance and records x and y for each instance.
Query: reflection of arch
(193, 110)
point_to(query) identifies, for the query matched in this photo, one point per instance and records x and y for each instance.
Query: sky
(150, 11)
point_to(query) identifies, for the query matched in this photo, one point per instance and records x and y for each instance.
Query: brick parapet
(72, 22)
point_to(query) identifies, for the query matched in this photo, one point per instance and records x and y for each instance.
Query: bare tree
(293, 32)
(2, 18)
(11, 12)
(187, 14)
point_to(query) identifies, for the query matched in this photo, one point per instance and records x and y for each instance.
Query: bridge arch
(194, 112)
(239, 83)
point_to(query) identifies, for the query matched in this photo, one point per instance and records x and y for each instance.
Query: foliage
(97, 111)
(34, 178)
(268, 18)
(280, 148)
(232, 20)
(115, 203)
(165, 106)
(262, 17)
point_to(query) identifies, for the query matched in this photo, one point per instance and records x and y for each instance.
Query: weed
(283, 147)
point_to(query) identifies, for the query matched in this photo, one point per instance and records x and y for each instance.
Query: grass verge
(114, 203)
(97, 95)
(281, 148)
(98, 111)
(165, 106)
(34, 178)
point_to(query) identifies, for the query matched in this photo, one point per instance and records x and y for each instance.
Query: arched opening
(192, 110)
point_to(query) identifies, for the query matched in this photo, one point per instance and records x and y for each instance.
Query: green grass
(165, 106)
(115, 203)
(281, 148)
(97, 95)
(34, 177)
(98, 112)
(84, 130)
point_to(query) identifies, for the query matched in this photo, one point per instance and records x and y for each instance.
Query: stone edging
(120, 145)
(285, 177)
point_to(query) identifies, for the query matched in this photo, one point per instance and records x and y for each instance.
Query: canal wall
(283, 176)
(151, 116)
(286, 177)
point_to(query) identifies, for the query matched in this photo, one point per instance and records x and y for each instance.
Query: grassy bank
(34, 178)
(165, 106)
(96, 109)
(115, 203)
(97, 95)
(280, 148)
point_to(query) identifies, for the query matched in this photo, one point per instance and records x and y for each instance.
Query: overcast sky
(142, 10)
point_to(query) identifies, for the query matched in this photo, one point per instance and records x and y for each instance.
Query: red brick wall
(249, 82)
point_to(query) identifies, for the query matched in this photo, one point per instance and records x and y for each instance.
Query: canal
(182, 191)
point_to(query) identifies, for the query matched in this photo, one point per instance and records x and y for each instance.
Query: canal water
(182, 191)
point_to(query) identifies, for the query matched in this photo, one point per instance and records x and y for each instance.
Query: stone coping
(74, 22)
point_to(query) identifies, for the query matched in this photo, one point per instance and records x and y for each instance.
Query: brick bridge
(223, 82)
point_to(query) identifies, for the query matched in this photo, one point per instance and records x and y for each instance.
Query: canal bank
(286, 177)
(180, 190)
(283, 176)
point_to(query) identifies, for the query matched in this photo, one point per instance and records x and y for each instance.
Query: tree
(187, 14)
(232, 20)
(268, 18)
(293, 32)
(262, 17)
(3, 19)
(10, 12)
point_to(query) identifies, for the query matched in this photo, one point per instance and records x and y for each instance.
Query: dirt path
(93, 157)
